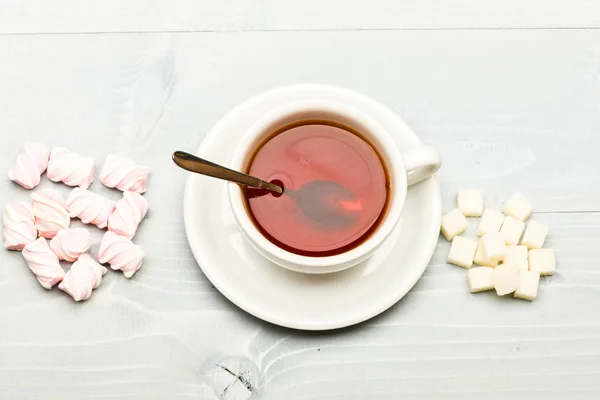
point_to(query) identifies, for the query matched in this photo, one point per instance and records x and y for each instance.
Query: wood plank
(509, 110)
(38, 16)
(443, 342)
(470, 346)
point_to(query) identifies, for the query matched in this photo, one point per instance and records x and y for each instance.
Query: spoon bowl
(327, 203)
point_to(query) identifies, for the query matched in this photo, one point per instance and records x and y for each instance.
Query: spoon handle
(201, 166)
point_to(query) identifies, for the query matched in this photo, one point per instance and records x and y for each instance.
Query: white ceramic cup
(403, 169)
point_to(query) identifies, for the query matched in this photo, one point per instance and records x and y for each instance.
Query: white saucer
(295, 300)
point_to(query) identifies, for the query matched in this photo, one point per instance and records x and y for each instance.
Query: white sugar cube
(511, 231)
(480, 279)
(505, 278)
(480, 258)
(535, 235)
(453, 224)
(470, 202)
(462, 251)
(517, 206)
(493, 247)
(529, 282)
(517, 256)
(542, 261)
(490, 222)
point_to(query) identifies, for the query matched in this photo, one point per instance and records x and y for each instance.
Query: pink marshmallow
(19, 226)
(50, 213)
(124, 174)
(120, 253)
(69, 244)
(90, 208)
(71, 168)
(128, 214)
(43, 263)
(31, 163)
(85, 274)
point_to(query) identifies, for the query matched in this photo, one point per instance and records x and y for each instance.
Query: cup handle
(421, 163)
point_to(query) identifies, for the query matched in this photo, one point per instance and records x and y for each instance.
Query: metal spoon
(325, 202)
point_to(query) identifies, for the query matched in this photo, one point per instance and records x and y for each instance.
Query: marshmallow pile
(510, 261)
(29, 226)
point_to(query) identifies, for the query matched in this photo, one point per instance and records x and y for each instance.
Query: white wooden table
(509, 91)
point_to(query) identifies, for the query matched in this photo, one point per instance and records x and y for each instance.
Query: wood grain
(509, 110)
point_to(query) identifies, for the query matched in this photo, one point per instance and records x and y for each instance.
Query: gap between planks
(152, 32)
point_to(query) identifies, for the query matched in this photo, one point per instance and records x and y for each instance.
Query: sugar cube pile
(509, 254)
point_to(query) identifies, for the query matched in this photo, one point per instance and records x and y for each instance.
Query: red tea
(317, 152)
